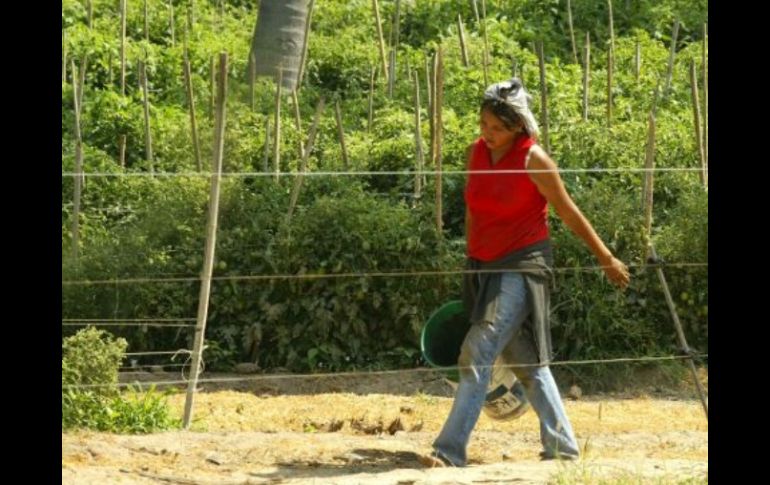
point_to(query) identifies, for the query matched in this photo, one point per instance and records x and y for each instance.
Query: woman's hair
(503, 111)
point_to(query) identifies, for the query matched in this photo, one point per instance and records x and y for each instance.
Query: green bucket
(443, 335)
(441, 340)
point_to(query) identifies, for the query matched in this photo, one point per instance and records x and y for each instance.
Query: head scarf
(513, 94)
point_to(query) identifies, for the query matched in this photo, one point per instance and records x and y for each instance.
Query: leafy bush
(92, 357)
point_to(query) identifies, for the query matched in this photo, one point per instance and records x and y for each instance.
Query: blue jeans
(481, 347)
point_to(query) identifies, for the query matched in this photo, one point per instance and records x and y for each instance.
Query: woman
(507, 292)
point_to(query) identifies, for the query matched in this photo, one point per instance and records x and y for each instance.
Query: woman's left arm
(544, 173)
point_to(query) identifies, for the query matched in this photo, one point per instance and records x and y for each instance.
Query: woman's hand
(616, 272)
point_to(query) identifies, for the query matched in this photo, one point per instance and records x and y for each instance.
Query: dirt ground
(371, 429)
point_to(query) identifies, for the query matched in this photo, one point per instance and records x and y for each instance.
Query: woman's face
(496, 135)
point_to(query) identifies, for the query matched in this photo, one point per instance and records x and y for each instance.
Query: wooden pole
(277, 126)
(486, 41)
(638, 61)
(146, 23)
(571, 31)
(653, 256)
(252, 79)
(649, 174)
(371, 101)
(305, 44)
(171, 21)
(461, 33)
(670, 71)
(123, 47)
(610, 69)
(397, 24)
(63, 56)
(266, 159)
(430, 81)
(391, 71)
(341, 135)
(394, 49)
(122, 150)
(434, 111)
(649, 166)
(297, 120)
(212, 87)
(543, 96)
(439, 132)
(586, 75)
(306, 153)
(211, 237)
(191, 16)
(418, 140)
(110, 77)
(82, 81)
(90, 14)
(612, 25)
(380, 38)
(78, 179)
(705, 63)
(147, 132)
(191, 104)
(680, 332)
(475, 5)
(696, 124)
(648, 201)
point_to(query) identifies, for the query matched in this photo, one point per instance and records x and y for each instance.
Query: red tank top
(507, 210)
